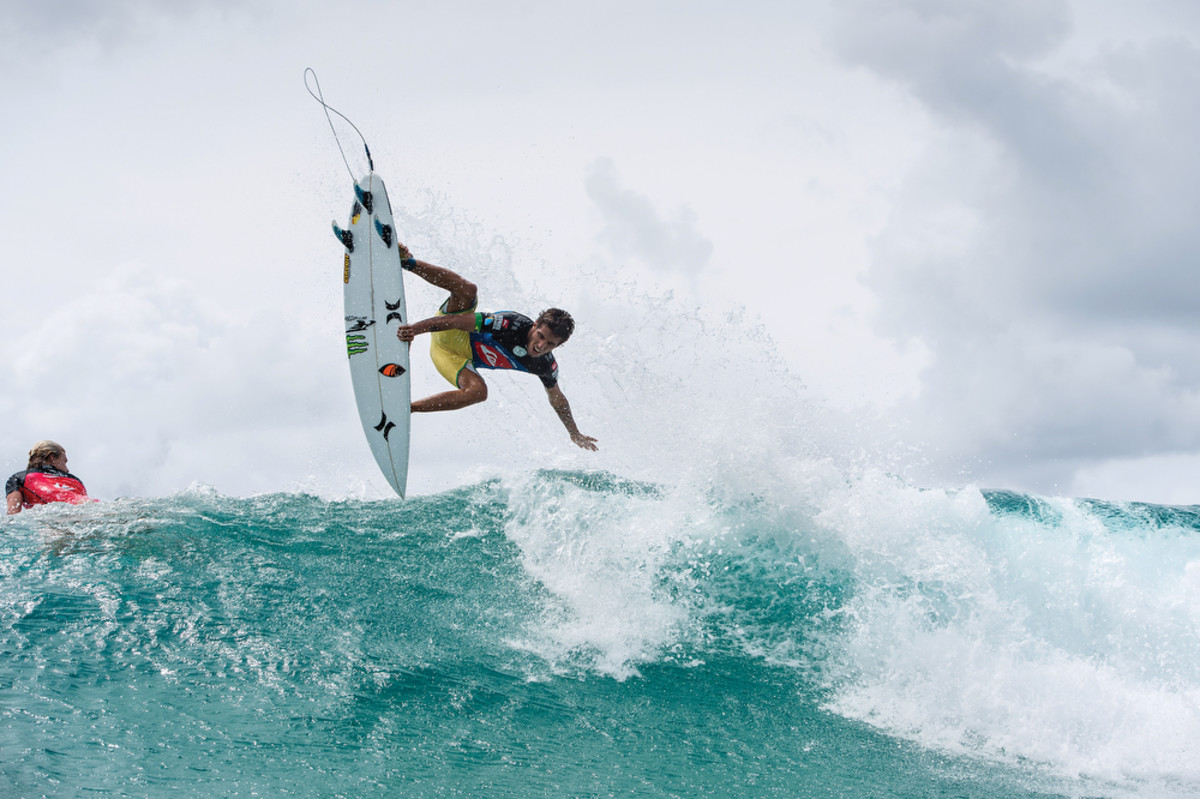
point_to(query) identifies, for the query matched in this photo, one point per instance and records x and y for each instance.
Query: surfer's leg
(471, 390)
(463, 293)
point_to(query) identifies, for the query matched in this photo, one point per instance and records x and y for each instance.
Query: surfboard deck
(373, 293)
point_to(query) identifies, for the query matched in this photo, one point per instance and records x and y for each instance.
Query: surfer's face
(59, 461)
(541, 340)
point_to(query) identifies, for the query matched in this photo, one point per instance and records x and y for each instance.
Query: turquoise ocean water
(579, 634)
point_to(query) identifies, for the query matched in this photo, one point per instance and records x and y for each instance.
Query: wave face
(579, 634)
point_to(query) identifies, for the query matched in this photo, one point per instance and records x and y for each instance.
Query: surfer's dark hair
(559, 321)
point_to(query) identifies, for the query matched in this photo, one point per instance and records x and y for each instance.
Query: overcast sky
(962, 230)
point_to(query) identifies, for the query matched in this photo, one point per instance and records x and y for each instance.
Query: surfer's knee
(463, 296)
(473, 389)
(476, 392)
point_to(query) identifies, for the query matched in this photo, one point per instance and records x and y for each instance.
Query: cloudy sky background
(957, 237)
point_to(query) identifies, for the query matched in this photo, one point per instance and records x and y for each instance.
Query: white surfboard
(374, 304)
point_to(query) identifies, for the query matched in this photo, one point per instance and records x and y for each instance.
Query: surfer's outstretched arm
(558, 401)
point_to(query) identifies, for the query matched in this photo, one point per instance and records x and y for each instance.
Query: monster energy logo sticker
(355, 343)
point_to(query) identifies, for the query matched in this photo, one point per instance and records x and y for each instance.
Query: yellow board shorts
(451, 349)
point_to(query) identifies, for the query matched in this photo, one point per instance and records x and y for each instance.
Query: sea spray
(601, 548)
(1062, 638)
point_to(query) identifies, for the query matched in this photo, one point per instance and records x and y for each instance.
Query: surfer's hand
(406, 333)
(405, 253)
(584, 442)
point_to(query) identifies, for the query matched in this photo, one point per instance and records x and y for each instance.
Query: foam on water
(601, 549)
(1062, 637)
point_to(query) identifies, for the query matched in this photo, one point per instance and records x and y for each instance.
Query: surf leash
(320, 98)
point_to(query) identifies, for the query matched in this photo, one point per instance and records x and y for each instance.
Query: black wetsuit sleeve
(14, 483)
(549, 373)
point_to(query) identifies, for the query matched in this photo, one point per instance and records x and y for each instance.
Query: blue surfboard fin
(385, 233)
(346, 237)
(365, 198)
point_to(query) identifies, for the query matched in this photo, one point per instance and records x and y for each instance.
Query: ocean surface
(558, 633)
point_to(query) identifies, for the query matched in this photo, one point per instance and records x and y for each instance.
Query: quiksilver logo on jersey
(495, 359)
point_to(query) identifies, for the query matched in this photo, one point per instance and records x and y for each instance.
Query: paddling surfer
(44, 480)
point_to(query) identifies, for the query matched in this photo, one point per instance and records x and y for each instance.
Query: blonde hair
(43, 452)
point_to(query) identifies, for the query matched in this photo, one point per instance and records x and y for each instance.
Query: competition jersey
(46, 484)
(498, 342)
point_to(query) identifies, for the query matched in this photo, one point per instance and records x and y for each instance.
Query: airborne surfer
(464, 341)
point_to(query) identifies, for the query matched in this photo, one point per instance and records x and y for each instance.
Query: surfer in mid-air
(464, 341)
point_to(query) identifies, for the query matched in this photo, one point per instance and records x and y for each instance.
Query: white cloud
(1055, 303)
(633, 228)
(151, 373)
